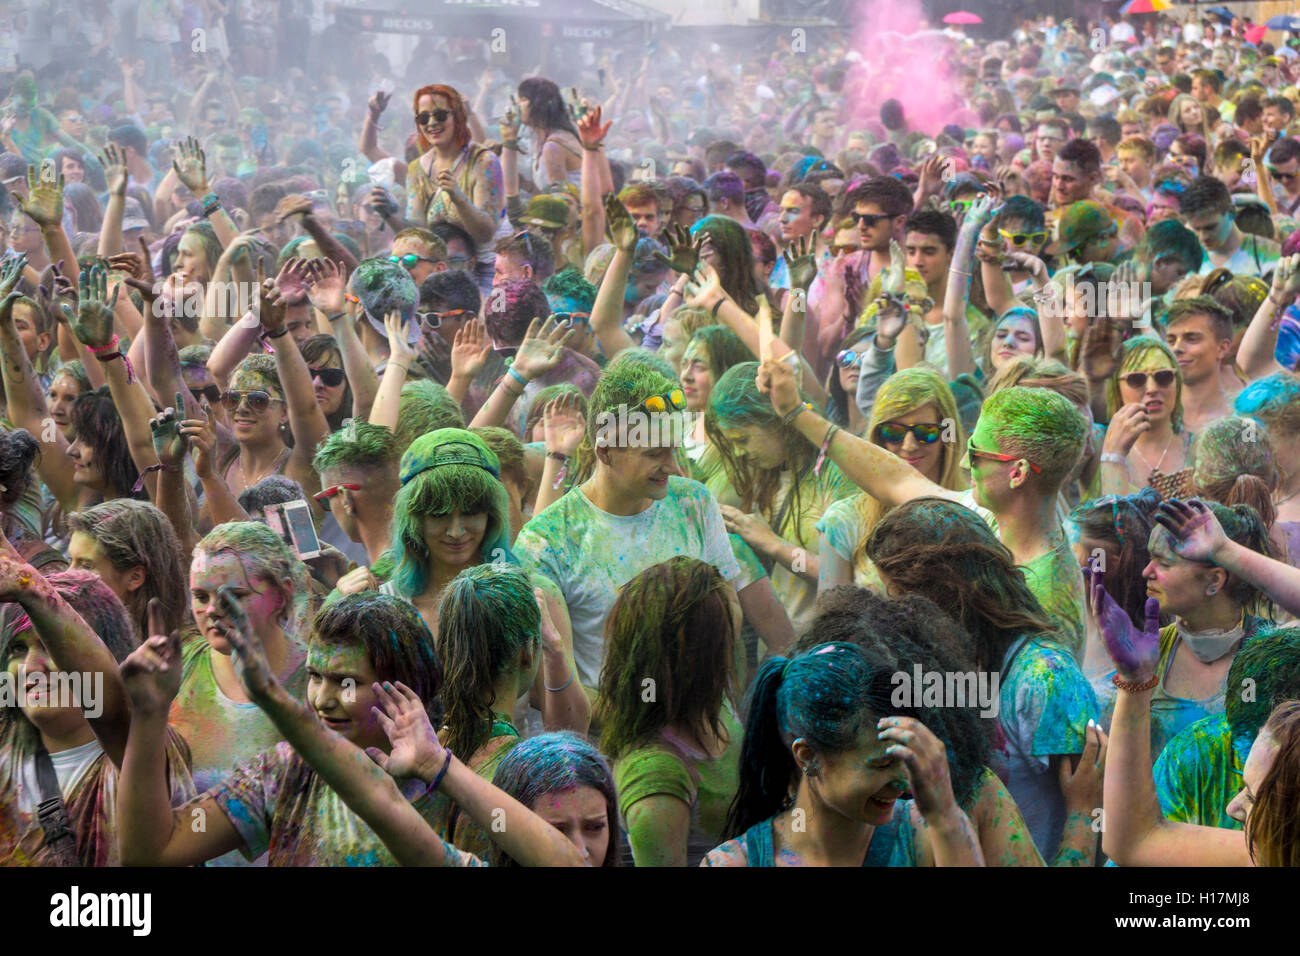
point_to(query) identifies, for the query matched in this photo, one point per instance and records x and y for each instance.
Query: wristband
(139, 482)
(523, 382)
(592, 149)
(447, 763)
(1114, 458)
(511, 144)
(717, 305)
(558, 456)
(98, 350)
(335, 317)
(826, 446)
(1133, 687)
(130, 369)
(556, 690)
(789, 417)
(275, 335)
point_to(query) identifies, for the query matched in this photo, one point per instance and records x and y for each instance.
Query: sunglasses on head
(893, 433)
(323, 497)
(674, 400)
(848, 358)
(868, 219)
(211, 392)
(257, 399)
(329, 377)
(1019, 239)
(425, 116)
(410, 260)
(1164, 378)
(974, 452)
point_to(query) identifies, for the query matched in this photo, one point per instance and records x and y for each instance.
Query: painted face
(761, 447)
(85, 554)
(339, 692)
(1162, 207)
(441, 134)
(1178, 584)
(1157, 399)
(328, 397)
(863, 783)
(925, 458)
(455, 539)
(797, 218)
(849, 376)
(927, 255)
(1013, 337)
(697, 379)
(582, 815)
(990, 479)
(30, 666)
(63, 391)
(1263, 752)
(646, 217)
(1194, 345)
(264, 603)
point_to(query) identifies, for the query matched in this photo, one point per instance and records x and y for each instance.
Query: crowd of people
(664, 464)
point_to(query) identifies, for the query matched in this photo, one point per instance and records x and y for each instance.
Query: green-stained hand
(93, 322)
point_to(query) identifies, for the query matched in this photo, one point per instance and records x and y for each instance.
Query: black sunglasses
(868, 219)
(211, 392)
(1164, 378)
(329, 377)
(438, 116)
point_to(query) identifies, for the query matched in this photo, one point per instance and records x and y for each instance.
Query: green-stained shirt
(1200, 771)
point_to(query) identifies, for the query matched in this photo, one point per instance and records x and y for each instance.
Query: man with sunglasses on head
(419, 252)
(358, 469)
(524, 256)
(1206, 207)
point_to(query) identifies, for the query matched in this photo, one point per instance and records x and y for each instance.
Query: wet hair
(136, 534)
(944, 551)
(1133, 517)
(546, 107)
(424, 406)
(263, 555)
(271, 490)
(1232, 463)
(1273, 827)
(18, 454)
(487, 615)
(437, 491)
(360, 445)
(1040, 424)
(827, 696)
(913, 631)
(95, 422)
(1268, 663)
(1132, 354)
(557, 762)
(512, 306)
(322, 348)
(736, 402)
(735, 259)
(671, 624)
(395, 638)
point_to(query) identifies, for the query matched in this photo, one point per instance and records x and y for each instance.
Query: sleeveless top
(893, 844)
(539, 175)
(438, 208)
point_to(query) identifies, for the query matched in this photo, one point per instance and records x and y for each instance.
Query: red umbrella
(962, 17)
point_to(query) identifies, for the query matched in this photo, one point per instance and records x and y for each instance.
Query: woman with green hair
(780, 481)
(915, 417)
(707, 356)
(1145, 440)
(452, 514)
(727, 249)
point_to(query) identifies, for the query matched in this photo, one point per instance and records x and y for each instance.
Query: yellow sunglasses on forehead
(674, 400)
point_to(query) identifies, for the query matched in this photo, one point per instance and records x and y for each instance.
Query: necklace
(275, 467)
(1146, 461)
(1282, 501)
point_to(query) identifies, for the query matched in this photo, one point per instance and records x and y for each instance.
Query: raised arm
(306, 420)
(607, 312)
(190, 166)
(170, 445)
(802, 268)
(596, 179)
(369, 144)
(330, 247)
(1257, 353)
(539, 352)
(110, 233)
(44, 206)
(563, 426)
(325, 281)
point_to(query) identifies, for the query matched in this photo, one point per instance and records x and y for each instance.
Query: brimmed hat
(448, 446)
(1080, 223)
(547, 212)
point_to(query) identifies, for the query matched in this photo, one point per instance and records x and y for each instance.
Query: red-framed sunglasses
(974, 452)
(323, 497)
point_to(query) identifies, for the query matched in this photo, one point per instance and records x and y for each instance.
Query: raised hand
(704, 288)
(400, 350)
(202, 437)
(1194, 532)
(325, 282)
(563, 425)
(292, 206)
(542, 347)
(890, 322)
(271, 306)
(11, 272)
(416, 750)
(251, 665)
(895, 278)
(93, 322)
(685, 250)
(590, 130)
(152, 672)
(1099, 352)
(800, 263)
(381, 201)
(113, 159)
(128, 263)
(776, 380)
(1286, 284)
(292, 280)
(44, 202)
(169, 443)
(510, 122)
(1027, 261)
(191, 167)
(980, 212)
(926, 760)
(470, 350)
(622, 230)
(1135, 652)
(378, 103)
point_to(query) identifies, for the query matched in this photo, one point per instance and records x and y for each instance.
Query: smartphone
(292, 522)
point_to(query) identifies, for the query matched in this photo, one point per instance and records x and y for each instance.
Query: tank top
(891, 845)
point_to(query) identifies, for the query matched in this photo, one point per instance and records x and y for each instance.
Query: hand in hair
(776, 380)
(251, 666)
(291, 206)
(152, 672)
(1134, 652)
(1196, 532)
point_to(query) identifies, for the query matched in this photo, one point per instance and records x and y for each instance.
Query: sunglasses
(323, 497)
(410, 260)
(211, 392)
(257, 399)
(1278, 174)
(675, 400)
(1019, 239)
(1164, 378)
(868, 219)
(848, 358)
(424, 117)
(583, 317)
(842, 249)
(974, 452)
(893, 433)
(329, 377)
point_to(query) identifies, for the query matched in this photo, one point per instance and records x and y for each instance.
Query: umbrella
(1285, 21)
(962, 17)
(1144, 6)
(1223, 13)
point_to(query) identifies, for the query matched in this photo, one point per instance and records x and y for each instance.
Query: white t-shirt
(69, 766)
(590, 554)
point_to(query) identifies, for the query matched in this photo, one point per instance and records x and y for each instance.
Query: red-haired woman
(455, 179)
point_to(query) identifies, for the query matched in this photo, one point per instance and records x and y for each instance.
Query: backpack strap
(52, 813)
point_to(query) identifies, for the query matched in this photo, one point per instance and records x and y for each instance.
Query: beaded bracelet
(1133, 687)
